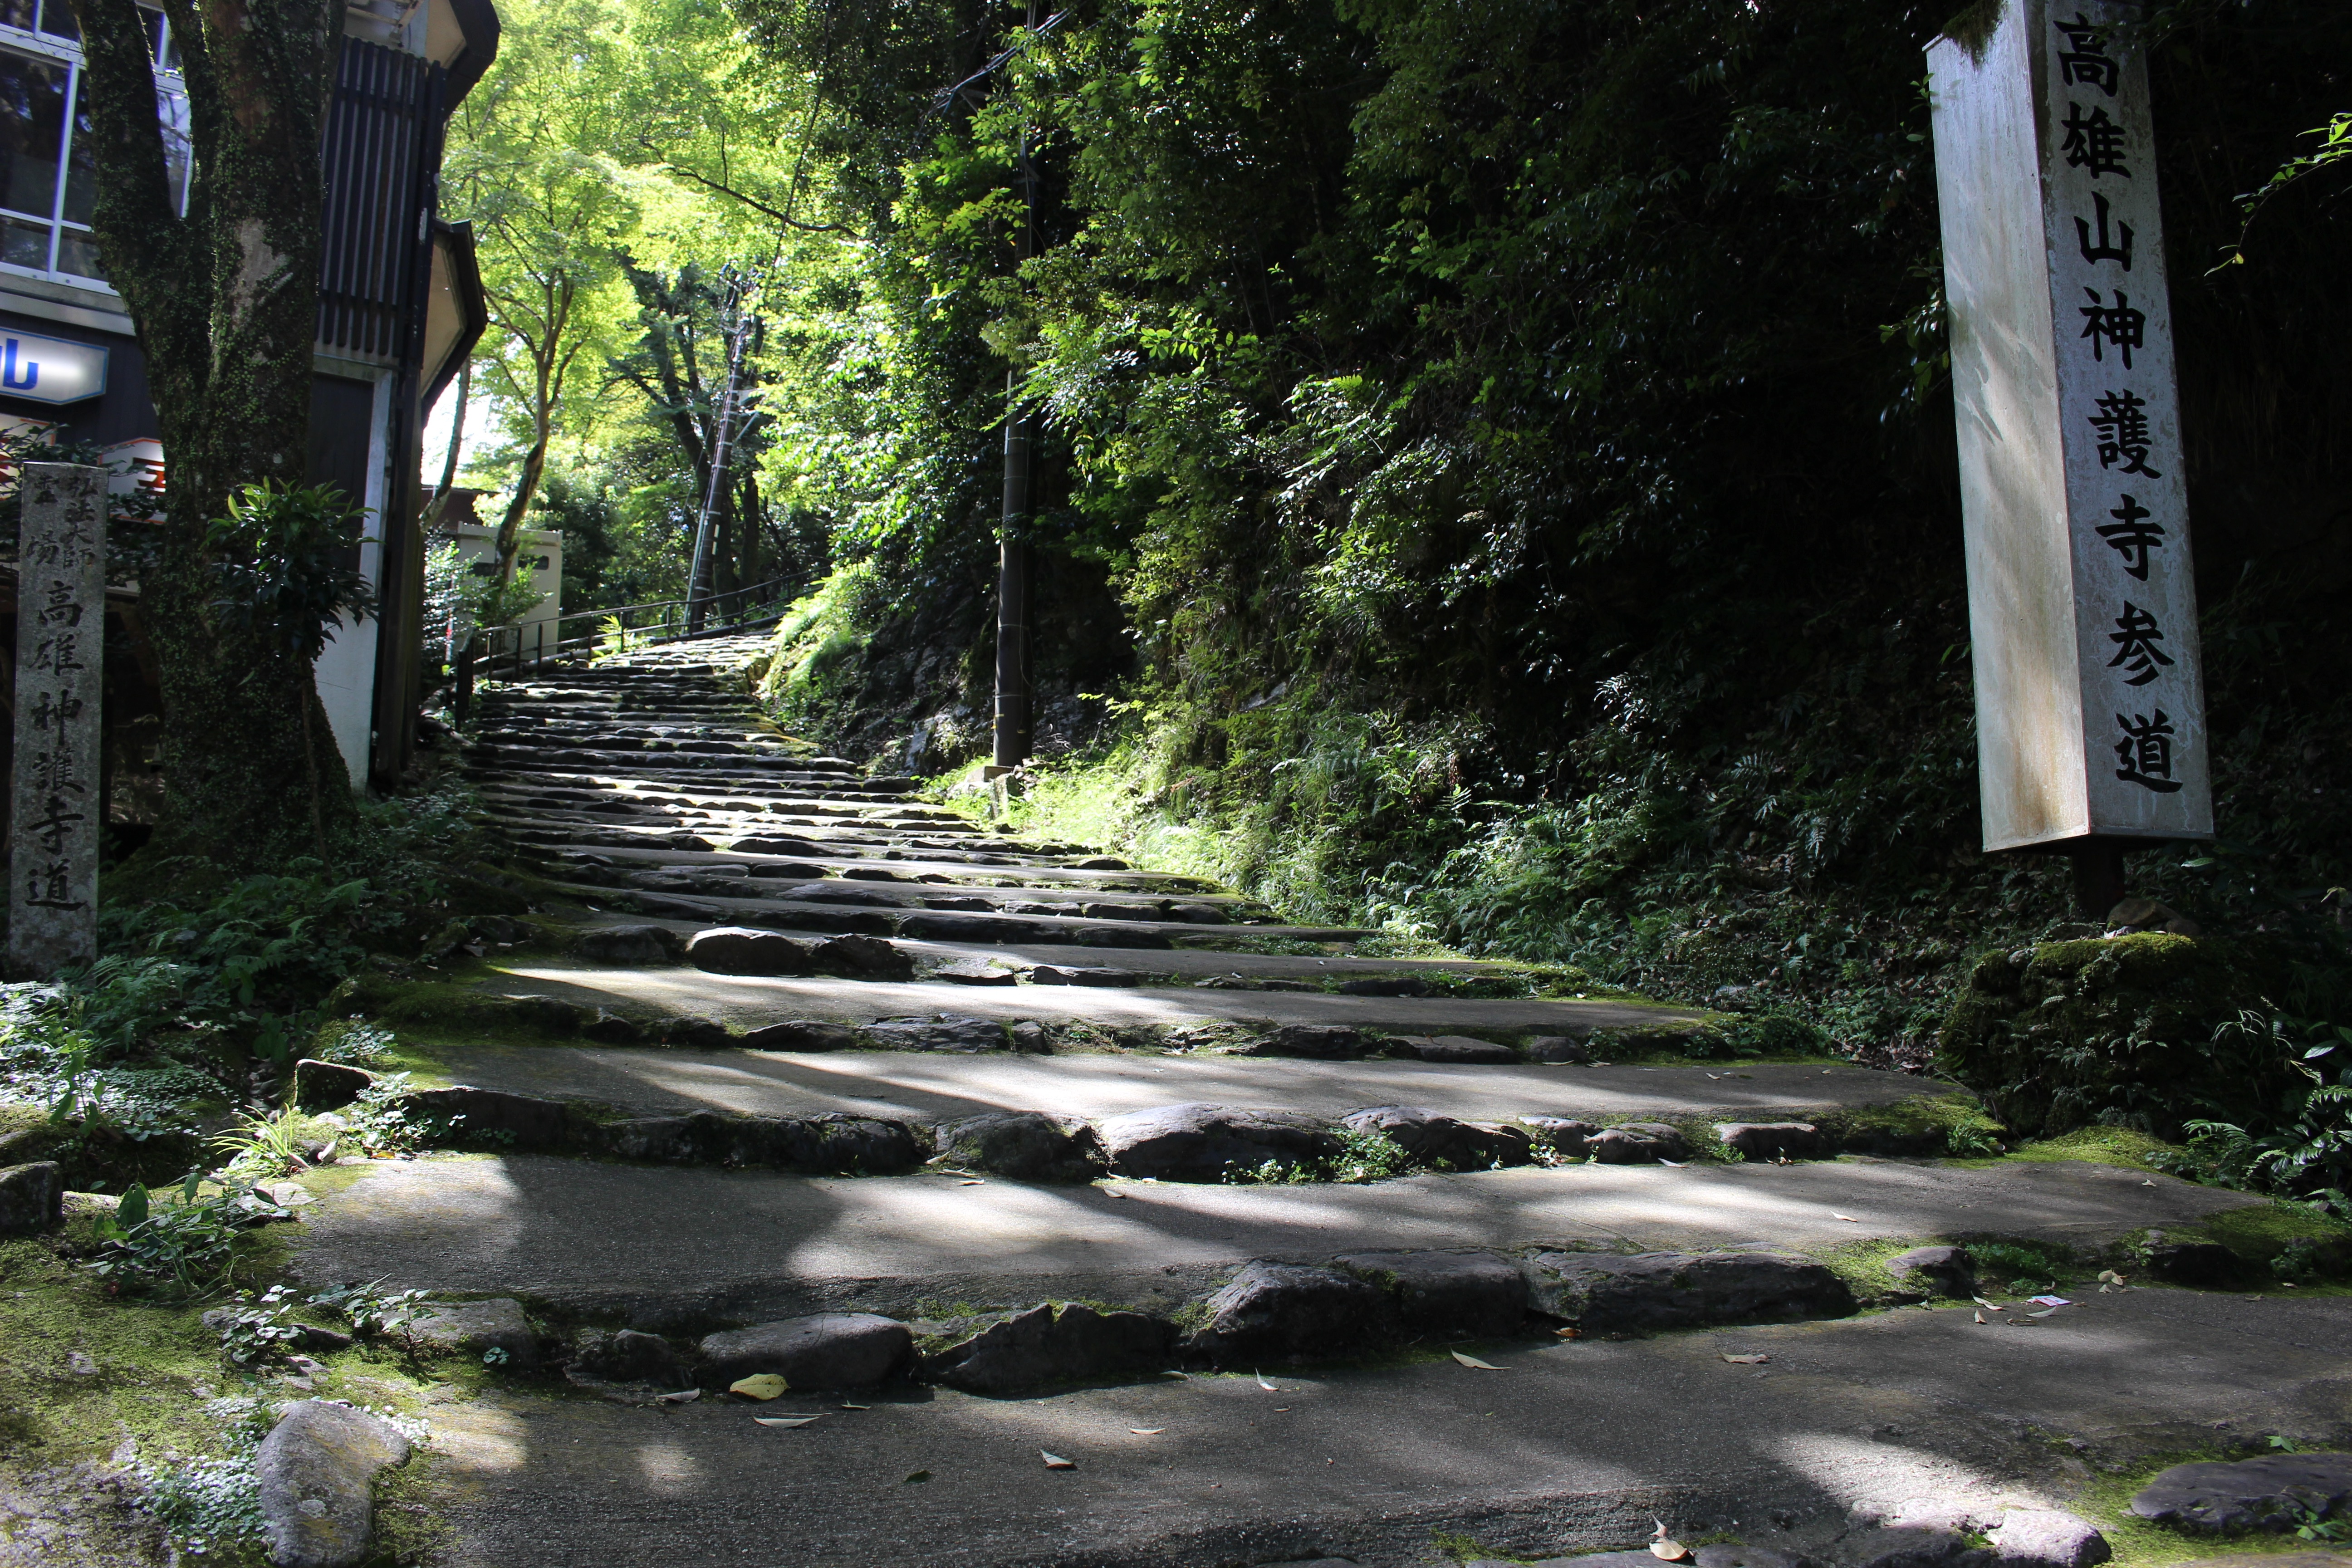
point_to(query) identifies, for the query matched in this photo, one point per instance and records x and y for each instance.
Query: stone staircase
(856, 1071)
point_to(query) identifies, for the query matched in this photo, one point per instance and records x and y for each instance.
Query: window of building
(48, 175)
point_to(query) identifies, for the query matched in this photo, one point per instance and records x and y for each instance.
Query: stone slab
(752, 1000)
(663, 1246)
(1093, 1085)
(1571, 1448)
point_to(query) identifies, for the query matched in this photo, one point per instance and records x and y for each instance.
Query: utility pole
(737, 318)
(1011, 719)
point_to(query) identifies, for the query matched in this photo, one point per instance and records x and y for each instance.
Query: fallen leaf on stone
(1570, 1333)
(1677, 1164)
(1267, 1386)
(1185, 1375)
(1988, 1306)
(759, 1386)
(1147, 1431)
(1055, 1461)
(2109, 1277)
(916, 1476)
(684, 1396)
(2146, 1184)
(848, 1407)
(2052, 1301)
(974, 1181)
(1747, 1359)
(1847, 1217)
(784, 1420)
(1667, 1551)
(2045, 1311)
(1982, 1319)
(1474, 1360)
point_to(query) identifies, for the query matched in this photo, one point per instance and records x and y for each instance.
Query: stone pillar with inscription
(2081, 606)
(60, 671)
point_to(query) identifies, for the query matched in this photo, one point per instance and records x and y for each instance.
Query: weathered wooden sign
(60, 675)
(2081, 606)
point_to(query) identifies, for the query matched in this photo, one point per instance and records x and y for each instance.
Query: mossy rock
(2116, 1031)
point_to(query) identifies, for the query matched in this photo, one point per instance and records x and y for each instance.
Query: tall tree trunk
(224, 300)
(550, 360)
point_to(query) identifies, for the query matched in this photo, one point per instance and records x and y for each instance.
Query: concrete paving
(752, 1001)
(1094, 1085)
(670, 1247)
(1571, 1447)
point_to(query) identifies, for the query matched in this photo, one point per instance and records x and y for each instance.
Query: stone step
(785, 913)
(1092, 1087)
(667, 1248)
(749, 1002)
(1575, 1447)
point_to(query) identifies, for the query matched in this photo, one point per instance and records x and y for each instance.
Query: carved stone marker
(61, 678)
(2081, 607)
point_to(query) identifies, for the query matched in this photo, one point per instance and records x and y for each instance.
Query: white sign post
(60, 687)
(2082, 604)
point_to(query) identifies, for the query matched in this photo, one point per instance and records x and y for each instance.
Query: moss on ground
(2112, 1030)
(2138, 1543)
(2098, 1146)
(1950, 1122)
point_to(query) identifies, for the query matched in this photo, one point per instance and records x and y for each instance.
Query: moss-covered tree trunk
(225, 302)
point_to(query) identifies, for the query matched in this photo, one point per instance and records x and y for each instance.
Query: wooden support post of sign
(60, 695)
(2081, 606)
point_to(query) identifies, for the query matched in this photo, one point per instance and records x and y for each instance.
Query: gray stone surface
(631, 944)
(657, 1246)
(629, 1356)
(1563, 1135)
(823, 1144)
(1443, 1143)
(1473, 1293)
(476, 1328)
(946, 1032)
(1204, 1143)
(523, 1121)
(328, 1086)
(1638, 1143)
(941, 1087)
(318, 1469)
(1612, 1293)
(1058, 975)
(2268, 1493)
(801, 1034)
(1026, 1145)
(1464, 1050)
(1045, 1345)
(1773, 1140)
(1272, 1312)
(53, 844)
(32, 1197)
(2048, 1538)
(826, 1349)
(854, 957)
(1316, 1042)
(741, 950)
(1555, 1049)
(1938, 1271)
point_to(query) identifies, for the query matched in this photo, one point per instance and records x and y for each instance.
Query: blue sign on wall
(50, 370)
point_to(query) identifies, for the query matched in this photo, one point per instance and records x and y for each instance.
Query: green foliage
(282, 561)
(2024, 1267)
(373, 1310)
(1362, 1158)
(180, 1247)
(259, 1329)
(378, 1119)
(2305, 1154)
